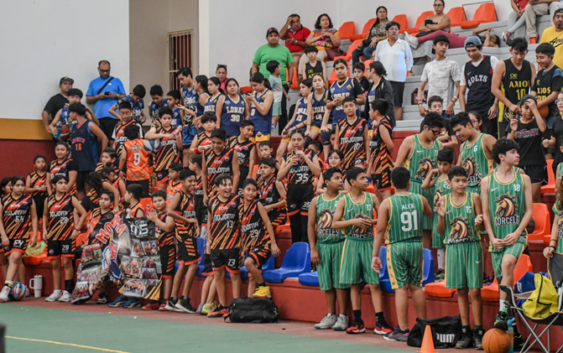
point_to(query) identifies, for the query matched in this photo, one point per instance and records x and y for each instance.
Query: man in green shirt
(274, 51)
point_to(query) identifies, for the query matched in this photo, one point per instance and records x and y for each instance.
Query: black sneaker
(185, 306)
(102, 298)
(478, 339)
(440, 275)
(501, 320)
(518, 343)
(466, 341)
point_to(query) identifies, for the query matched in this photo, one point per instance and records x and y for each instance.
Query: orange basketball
(496, 341)
(544, 111)
(65, 133)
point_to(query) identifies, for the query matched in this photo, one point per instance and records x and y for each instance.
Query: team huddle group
(208, 166)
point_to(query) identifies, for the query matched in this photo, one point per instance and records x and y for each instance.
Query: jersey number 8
(137, 158)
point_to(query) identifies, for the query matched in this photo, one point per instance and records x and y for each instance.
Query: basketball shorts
(167, 260)
(537, 173)
(61, 248)
(405, 264)
(514, 250)
(416, 188)
(355, 266)
(259, 137)
(382, 180)
(329, 268)
(464, 265)
(277, 218)
(299, 197)
(187, 251)
(226, 258)
(437, 238)
(162, 177)
(261, 254)
(17, 245)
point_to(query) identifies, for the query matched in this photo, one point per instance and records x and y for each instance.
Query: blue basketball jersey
(191, 101)
(319, 107)
(341, 90)
(84, 146)
(211, 103)
(155, 108)
(300, 112)
(136, 107)
(232, 115)
(262, 123)
(64, 120)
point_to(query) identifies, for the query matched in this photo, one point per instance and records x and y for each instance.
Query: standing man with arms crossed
(57, 102)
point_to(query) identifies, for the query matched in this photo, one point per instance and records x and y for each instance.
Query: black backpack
(446, 331)
(252, 310)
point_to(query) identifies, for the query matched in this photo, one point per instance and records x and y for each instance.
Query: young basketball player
(327, 245)
(36, 183)
(63, 165)
(217, 160)
(418, 154)
(61, 231)
(125, 120)
(182, 210)
(555, 242)
(202, 140)
(136, 158)
(17, 216)
(335, 159)
(298, 120)
(352, 136)
(174, 183)
(107, 159)
(235, 109)
(224, 241)
(158, 102)
(109, 174)
(135, 98)
(399, 225)
(316, 110)
(261, 103)
(272, 193)
(244, 148)
(381, 145)
(459, 218)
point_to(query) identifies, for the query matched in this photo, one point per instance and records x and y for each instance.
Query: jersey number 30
(409, 220)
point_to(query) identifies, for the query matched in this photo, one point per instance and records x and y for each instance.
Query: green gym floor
(36, 326)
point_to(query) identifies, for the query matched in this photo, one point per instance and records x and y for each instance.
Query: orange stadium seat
(402, 21)
(295, 83)
(332, 77)
(491, 293)
(419, 22)
(438, 289)
(147, 201)
(542, 220)
(365, 31)
(457, 16)
(484, 14)
(347, 30)
(366, 63)
(352, 47)
(550, 187)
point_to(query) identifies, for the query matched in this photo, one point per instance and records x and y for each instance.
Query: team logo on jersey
(227, 102)
(470, 165)
(358, 232)
(348, 87)
(505, 212)
(560, 225)
(425, 166)
(439, 193)
(324, 225)
(461, 230)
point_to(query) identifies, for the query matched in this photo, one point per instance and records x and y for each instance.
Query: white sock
(57, 291)
(441, 259)
(8, 283)
(501, 304)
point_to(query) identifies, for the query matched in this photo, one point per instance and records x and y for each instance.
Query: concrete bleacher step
(499, 27)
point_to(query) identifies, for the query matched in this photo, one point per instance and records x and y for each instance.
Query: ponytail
(217, 82)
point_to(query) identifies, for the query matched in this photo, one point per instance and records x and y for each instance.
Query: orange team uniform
(137, 160)
(217, 165)
(224, 233)
(186, 232)
(60, 227)
(166, 155)
(172, 189)
(167, 249)
(17, 221)
(351, 143)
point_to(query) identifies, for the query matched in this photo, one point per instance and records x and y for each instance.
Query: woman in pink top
(221, 73)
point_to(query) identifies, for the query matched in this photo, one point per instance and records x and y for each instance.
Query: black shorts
(17, 245)
(207, 266)
(162, 177)
(61, 248)
(144, 183)
(39, 205)
(167, 260)
(243, 174)
(187, 252)
(299, 197)
(325, 136)
(200, 210)
(81, 179)
(398, 92)
(260, 254)
(227, 258)
(382, 181)
(277, 218)
(537, 173)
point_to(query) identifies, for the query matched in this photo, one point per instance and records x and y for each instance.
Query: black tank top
(516, 83)
(478, 80)
(84, 148)
(311, 71)
(529, 138)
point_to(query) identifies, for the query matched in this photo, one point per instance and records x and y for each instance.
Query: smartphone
(107, 93)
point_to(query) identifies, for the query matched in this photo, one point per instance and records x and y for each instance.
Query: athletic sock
(263, 284)
(478, 328)
(379, 316)
(357, 316)
(69, 285)
(501, 304)
(465, 329)
(8, 283)
(441, 259)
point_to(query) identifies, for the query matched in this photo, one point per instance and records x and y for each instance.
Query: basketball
(496, 341)
(17, 291)
(151, 146)
(544, 111)
(65, 133)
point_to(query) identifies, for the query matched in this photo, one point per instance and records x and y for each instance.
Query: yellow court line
(65, 344)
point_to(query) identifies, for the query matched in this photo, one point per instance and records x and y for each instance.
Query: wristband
(551, 246)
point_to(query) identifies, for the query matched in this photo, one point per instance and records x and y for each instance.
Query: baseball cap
(473, 41)
(66, 79)
(271, 30)
(557, 11)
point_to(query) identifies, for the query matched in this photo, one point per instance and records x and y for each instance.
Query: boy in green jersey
(507, 209)
(441, 187)
(418, 154)
(459, 216)
(399, 224)
(555, 242)
(354, 214)
(326, 250)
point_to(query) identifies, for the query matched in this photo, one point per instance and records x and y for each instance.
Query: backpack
(251, 310)
(543, 302)
(446, 331)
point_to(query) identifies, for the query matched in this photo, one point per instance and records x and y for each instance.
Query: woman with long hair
(325, 37)
(376, 34)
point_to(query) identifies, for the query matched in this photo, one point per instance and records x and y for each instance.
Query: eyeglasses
(104, 70)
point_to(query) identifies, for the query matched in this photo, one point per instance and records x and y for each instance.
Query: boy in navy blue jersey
(158, 102)
(63, 115)
(137, 104)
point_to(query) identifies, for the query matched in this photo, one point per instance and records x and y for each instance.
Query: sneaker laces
(326, 319)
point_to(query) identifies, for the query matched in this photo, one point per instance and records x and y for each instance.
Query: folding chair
(555, 267)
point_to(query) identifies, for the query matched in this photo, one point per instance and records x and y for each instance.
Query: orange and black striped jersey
(224, 233)
(198, 188)
(133, 210)
(168, 151)
(164, 238)
(172, 189)
(61, 217)
(269, 194)
(243, 150)
(119, 135)
(101, 166)
(351, 141)
(300, 173)
(379, 154)
(216, 165)
(17, 216)
(38, 181)
(137, 160)
(253, 230)
(203, 139)
(68, 165)
(186, 209)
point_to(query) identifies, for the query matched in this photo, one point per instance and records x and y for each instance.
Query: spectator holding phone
(104, 92)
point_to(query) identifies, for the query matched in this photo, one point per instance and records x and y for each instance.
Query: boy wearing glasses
(418, 153)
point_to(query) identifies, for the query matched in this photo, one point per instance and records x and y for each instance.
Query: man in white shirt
(476, 79)
(441, 75)
(396, 56)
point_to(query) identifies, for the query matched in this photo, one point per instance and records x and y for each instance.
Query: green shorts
(437, 238)
(416, 188)
(464, 265)
(405, 263)
(276, 110)
(355, 265)
(329, 268)
(474, 189)
(514, 250)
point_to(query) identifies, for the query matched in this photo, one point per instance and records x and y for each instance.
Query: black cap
(557, 11)
(66, 79)
(271, 30)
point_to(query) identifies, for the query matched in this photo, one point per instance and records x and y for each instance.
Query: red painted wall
(17, 156)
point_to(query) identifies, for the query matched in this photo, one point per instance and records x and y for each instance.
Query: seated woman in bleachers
(488, 39)
(375, 35)
(435, 25)
(326, 38)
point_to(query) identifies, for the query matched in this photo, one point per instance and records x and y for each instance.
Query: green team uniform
(404, 240)
(475, 161)
(559, 215)
(464, 256)
(330, 243)
(420, 163)
(355, 266)
(507, 206)
(441, 188)
(559, 171)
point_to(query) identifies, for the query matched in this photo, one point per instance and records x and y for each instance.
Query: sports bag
(446, 331)
(252, 310)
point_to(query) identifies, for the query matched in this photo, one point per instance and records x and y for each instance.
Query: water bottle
(511, 334)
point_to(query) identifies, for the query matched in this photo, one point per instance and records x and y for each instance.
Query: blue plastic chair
(428, 270)
(297, 260)
(384, 280)
(269, 265)
(201, 250)
(309, 279)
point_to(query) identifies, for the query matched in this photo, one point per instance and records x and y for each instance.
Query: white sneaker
(4, 293)
(341, 324)
(57, 294)
(66, 297)
(327, 322)
(25, 292)
(412, 40)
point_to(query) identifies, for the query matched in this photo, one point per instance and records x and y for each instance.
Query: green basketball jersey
(460, 221)
(559, 171)
(559, 215)
(325, 215)
(357, 210)
(475, 161)
(405, 218)
(421, 160)
(506, 204)
(441, 188)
